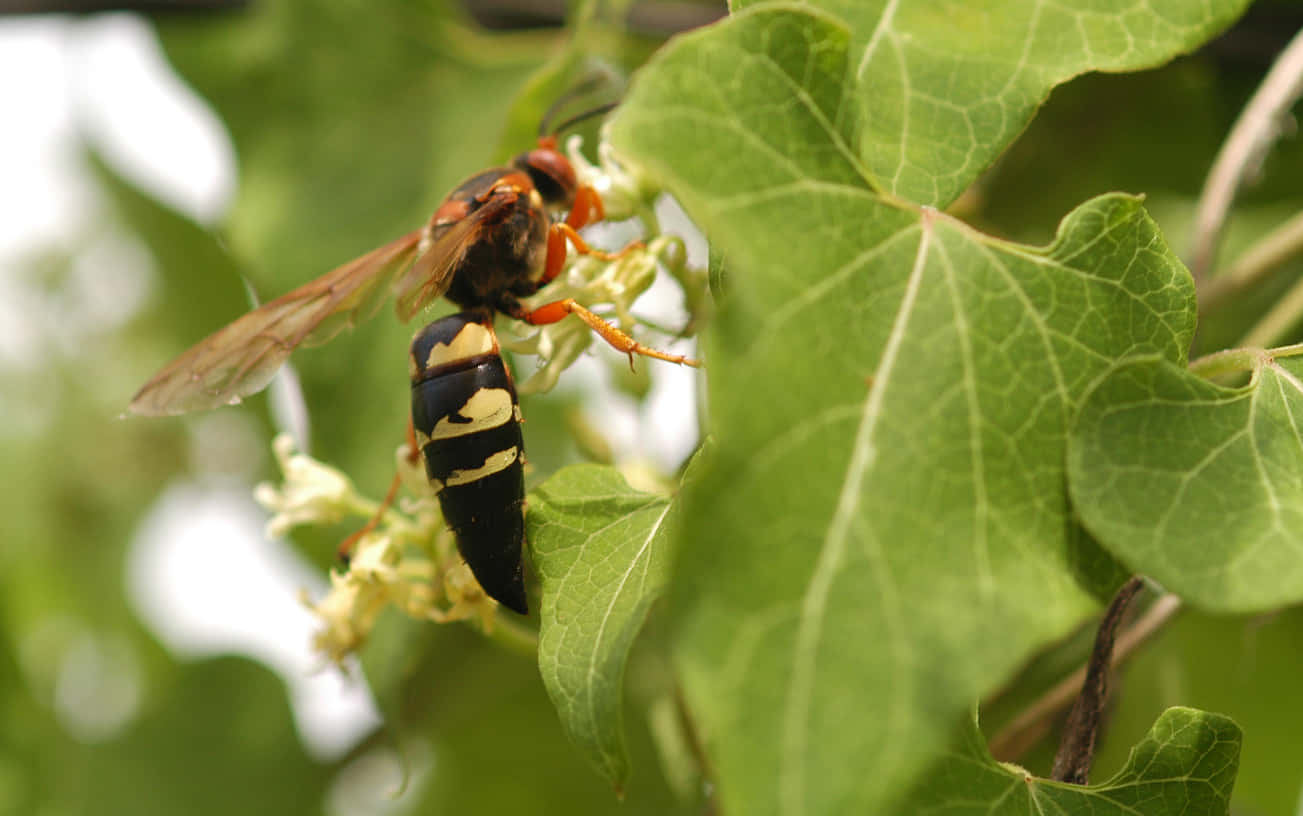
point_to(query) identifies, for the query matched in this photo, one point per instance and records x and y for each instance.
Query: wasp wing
(430, 276)
(241, 358)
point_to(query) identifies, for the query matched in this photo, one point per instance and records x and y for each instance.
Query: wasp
(497, 238)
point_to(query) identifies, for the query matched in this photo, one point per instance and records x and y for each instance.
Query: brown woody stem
(1077, 746)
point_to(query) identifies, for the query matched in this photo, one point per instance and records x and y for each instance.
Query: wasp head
(552, 174)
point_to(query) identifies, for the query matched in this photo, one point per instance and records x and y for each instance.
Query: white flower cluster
(407, 559)
(591, 281)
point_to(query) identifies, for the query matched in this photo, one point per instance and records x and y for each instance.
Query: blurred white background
(201, 574)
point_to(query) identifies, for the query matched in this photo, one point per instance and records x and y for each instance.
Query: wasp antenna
(588, 114)
(587, 86)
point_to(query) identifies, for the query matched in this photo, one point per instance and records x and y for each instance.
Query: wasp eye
(552, 175)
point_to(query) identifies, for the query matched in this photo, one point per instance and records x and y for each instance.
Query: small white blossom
(466, 597)
(312, 493)
(344, 630)
(626, 192)
(375, 559)
(407, 560)
(383, 572)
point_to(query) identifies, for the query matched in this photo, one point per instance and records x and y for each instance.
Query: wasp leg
(555, 311)
(587, 209)
(556, 256)
(557, 237)
(581, 246)
(345, 550)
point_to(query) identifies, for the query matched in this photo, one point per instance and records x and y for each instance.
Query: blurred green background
(345, 124)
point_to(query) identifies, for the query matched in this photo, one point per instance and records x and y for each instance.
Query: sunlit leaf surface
(886, 528)
(1185, 766)
(1197, 485)
(944, 87)
(601, 549)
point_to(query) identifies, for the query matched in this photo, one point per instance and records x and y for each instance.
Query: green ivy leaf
(1197, 485)
(1185, 766)
(945, 87)
(601, 549)
(885, 532)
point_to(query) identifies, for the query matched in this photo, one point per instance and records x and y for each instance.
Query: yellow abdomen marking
(472, 341)
(495, 463)
(487, 408)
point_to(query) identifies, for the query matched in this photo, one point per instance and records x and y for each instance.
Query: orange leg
(555, 311)
(557, 237)
(581, 246)
(556, 256)
(345, 549)
(587, 209)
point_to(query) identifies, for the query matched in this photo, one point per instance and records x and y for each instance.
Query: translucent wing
(429, 277)
(241, 358)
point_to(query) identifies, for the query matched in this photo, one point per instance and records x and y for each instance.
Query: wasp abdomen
(467, 423)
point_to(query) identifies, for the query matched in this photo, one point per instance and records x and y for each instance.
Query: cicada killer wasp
(493, 241)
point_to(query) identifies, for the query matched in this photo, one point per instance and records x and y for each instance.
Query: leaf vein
(831, 554)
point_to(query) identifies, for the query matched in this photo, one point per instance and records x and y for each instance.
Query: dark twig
(1077, 747)
(1028, 728)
